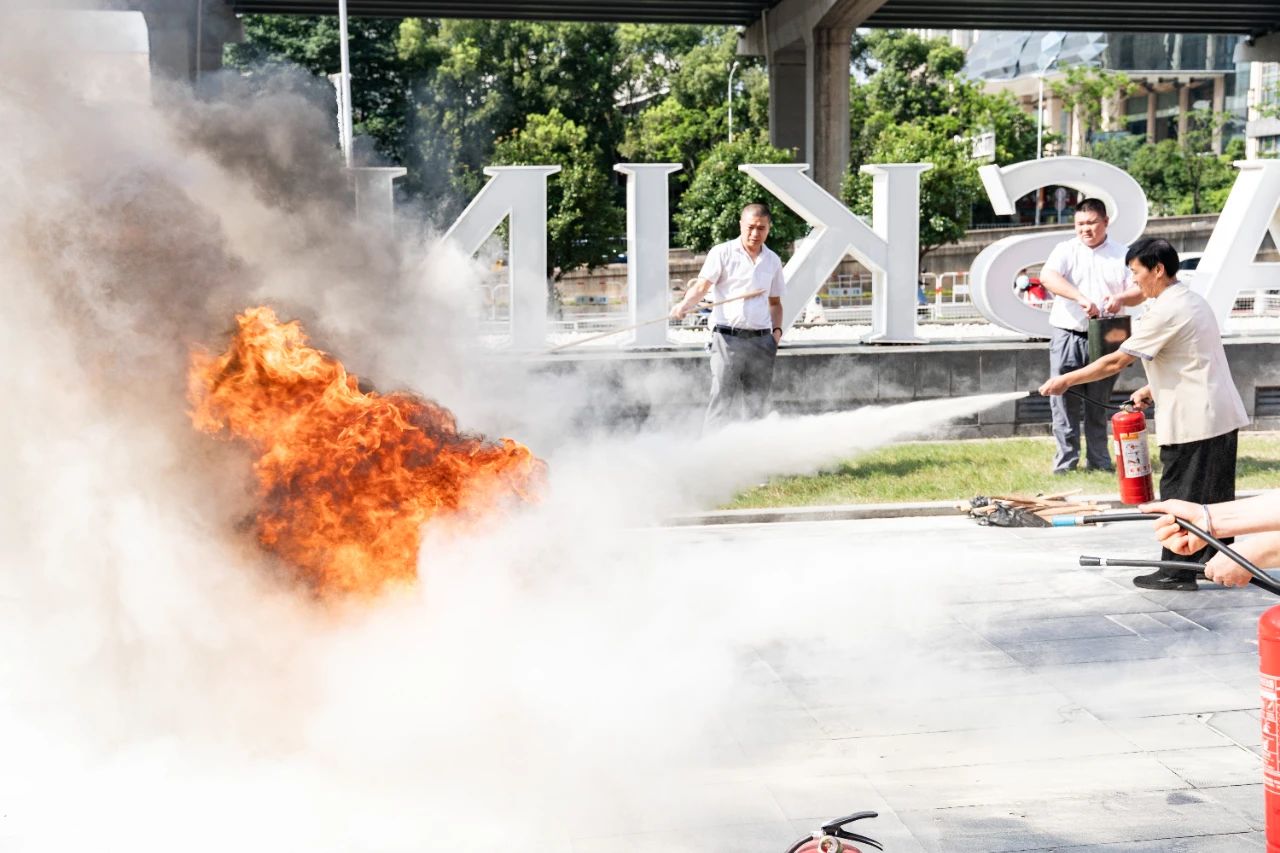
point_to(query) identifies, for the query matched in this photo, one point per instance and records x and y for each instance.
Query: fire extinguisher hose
(1093, 402)
(1259, 577)
(1089, 400)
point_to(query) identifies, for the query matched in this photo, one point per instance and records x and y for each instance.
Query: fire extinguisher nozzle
(1091, 561)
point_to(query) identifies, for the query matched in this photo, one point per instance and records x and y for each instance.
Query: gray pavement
(979, 690)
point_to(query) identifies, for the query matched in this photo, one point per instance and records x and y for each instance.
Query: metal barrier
(846, 299)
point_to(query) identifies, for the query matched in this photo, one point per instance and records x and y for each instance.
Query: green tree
(583, 222)
(1084, 90)
(911, 106)
(484, 80)
(710, 208)
(1205, 172)
(1183, 176)
(692, 118)
(1159, 169)
(652, 54)
(1118, 150)
(948, 191)
(379, 92)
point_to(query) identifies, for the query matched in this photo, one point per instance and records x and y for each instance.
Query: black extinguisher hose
(1089, 400)
(1259, 577)
(1093, 402)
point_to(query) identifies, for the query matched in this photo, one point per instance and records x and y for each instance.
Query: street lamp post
(1050, 51)
(732, 69)
(1039, 132)
(1040, 115)
(345, 58)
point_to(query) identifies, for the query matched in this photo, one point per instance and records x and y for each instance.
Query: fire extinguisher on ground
(1133, 456)
(1269, 650)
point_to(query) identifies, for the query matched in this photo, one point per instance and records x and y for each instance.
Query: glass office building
(1175, 73)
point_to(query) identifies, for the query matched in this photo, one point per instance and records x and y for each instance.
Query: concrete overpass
(806, 42)
(1234, 17)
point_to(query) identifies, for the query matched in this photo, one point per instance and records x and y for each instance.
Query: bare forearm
(775, 312)
(1250, 515)
(693, 296)
(1059, 286)
(1262, 550)
(1108, 365)
(1229, 518)
(1132, 297)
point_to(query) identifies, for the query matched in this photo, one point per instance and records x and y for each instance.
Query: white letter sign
(1228, 264)
(890, 248)
(648, 248)
(994, 270)
(518, 192)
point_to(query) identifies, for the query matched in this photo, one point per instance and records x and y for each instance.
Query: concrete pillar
(812, 38)
(374, 190)
(1151, 115)
(186, 38)
(830, 112)
(1219, 105)
(1184, 111)
(171, 35)
(1053, 115)
(788, 88)
(1112, 113)
(1078, 131)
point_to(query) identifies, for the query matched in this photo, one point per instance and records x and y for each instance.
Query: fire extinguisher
(832, 837)
(1269, 651)
(1133, 458)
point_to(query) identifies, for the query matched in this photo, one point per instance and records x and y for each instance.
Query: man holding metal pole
(745, 276)
(1189, 381)
(1089, 280)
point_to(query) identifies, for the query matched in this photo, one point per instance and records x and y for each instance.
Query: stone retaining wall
(660, 387)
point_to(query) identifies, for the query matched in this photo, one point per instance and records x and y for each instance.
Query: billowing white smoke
(557, 674)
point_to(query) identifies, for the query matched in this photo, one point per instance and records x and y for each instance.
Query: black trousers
(1203, 472)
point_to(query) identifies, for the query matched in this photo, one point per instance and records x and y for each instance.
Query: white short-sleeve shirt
(733, 272)
(1181, 348)
(1097, 273)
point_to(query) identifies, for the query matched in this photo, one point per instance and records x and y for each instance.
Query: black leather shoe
(1159, 580)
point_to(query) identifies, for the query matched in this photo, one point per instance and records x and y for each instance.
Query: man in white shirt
(1088, 278)
(745, 332)
(1200, 411)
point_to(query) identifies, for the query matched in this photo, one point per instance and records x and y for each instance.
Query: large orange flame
(346, 478)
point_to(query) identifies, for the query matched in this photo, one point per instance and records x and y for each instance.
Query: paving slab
(1147, 820)
(1244, 728)
(988, 694)
(1249, 842)
(1212, 766)
(1244, 800)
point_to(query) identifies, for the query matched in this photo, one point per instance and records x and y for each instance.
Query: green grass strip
(957, 470)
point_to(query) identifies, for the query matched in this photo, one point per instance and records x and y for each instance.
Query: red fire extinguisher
(1269, 650)
(834, 838)
(1133, 457)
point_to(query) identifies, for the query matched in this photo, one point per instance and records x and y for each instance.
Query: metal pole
(732, 69)
(1040, 117)
(1039, 133)
(346, 81)
(199, 39)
